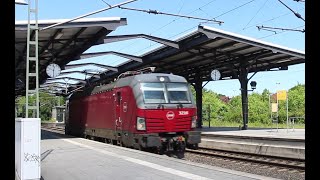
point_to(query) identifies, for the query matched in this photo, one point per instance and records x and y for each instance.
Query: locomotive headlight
(141, 124)
(194, 122)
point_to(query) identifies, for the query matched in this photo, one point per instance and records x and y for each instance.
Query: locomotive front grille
(182, 124)
(155, 125)
(164, 125)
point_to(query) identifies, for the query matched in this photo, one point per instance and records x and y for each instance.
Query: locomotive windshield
(165, 93)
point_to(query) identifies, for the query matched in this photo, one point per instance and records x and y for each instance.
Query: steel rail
(261, 159)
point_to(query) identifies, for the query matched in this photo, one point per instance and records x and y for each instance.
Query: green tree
(47, 102)
(235, 110)
(218, 108)
(259, 108)
(296, 104)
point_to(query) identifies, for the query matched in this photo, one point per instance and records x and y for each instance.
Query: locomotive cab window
(153, 92)
(178, 93)
(165, 93)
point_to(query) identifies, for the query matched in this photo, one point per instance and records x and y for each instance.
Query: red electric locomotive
(140, 110)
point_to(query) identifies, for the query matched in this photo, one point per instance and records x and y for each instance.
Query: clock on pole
(215, 74)
(53, 70)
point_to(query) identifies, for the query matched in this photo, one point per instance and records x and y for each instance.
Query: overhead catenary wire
(268, 20)
(163, 25)
(106, 3)
(278, 33)
(170, 21)
(235, 8)
(229, 11)
(167, 25)
(156, 29)
(283, 29)
(170, 14)
(255, 14)
(295, 13)
(89, 14)
(205, 22)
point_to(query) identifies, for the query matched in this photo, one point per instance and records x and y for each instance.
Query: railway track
(54, 128)
(289, 163)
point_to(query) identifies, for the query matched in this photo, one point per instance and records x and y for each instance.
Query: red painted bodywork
(157, 120)
(103, 110)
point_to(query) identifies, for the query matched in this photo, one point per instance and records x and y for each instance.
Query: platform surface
(256, 132)
(65, 157)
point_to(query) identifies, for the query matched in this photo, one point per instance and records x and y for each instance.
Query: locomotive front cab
(167, 112)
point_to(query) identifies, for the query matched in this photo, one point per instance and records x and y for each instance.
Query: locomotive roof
(150, 77)
(153, 77)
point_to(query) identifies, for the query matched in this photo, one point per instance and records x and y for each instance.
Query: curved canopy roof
(209, 48)
(60, 44)
(193, 56)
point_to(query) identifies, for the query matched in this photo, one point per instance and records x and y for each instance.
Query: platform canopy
(208, 48)
(194, 55)
(60, 44)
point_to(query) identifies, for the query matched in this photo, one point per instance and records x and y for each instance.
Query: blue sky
(239, 16)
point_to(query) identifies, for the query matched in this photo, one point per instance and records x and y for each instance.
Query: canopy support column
(198, 89)
(244, 93)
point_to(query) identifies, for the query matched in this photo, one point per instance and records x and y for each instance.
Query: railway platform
(67, 157)
(288, 143)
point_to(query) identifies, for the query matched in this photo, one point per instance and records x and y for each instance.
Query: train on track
(140, 109)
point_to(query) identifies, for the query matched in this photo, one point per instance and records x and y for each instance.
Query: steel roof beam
(53, 87)
(101, 26)
(94, 64)
(127, 56)
(56, 83)
(85, 45)
(166, 42)
(81, 72)
(217, 56)
(153, 56)
(61, 40)
(63, 47)
(202, 54)
(207, 67)
(69, 78)
(50, 41)
(107, 23)
(204, 58)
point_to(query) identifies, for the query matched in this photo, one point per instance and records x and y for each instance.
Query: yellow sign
(282, 95)
(274, 107)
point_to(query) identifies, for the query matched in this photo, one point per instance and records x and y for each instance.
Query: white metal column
(32, 67)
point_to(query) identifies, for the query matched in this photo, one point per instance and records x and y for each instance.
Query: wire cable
(283, 29)
(278, 33)
(269, 19)
(234, 9)
(255, 14)
(295, 13)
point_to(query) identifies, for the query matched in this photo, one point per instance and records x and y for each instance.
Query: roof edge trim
(213, 33)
